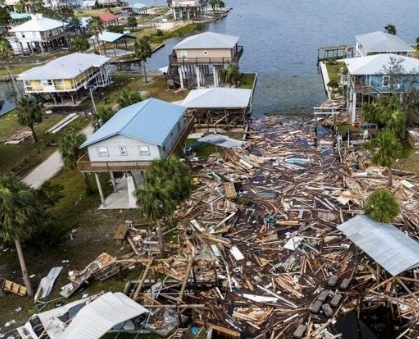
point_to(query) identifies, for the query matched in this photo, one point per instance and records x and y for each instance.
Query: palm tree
(142, 51)
(386, 150)
(79, 44)
(167, 183)
(390, 29)
(28, 114)
(231, 74)
(128, 97)
(20, 6)
(96, 27)
(382, 206)
(69, 147)
(6, 56)
(102, 114)
(132, 22)
(20, 216)
(396, 123)
(5, 19)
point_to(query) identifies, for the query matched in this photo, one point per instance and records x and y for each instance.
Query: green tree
(79, 44)
(142, 51)
(214, 4)
(20, 6)
(69, 147)
(20, 216)
(382, 206)
(386, 149)
(231, 74)
(167, 182)
(128, 97)
(48, 194)
(5, 18)
(96, 27)
(28, 114)
(102, 114)
(132, 22)
(390, 29)
(6, 56)
(388, 113)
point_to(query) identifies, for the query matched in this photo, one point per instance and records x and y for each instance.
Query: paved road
(50, 167)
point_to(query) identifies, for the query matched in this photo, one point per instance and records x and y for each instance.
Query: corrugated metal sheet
(373, 64)
(98, 317)
(387, 245)
(218, 97)
(38, 23)
(150, 120)
(380, 42)
(66, 67)
(111, 37)
(208, 40)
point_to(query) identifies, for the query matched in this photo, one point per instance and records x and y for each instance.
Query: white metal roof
(374, 64)
(208, 40)
(380, 42)
(66, 67)
(38, 23)
(387, 245)
(218, 97)
(98, 317)
(111, 36)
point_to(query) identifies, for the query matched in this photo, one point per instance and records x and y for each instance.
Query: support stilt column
(99, 187)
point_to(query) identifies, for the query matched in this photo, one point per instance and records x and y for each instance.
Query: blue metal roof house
(134, 136)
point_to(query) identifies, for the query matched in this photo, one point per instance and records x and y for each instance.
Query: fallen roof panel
(98, 317)
(386, 244)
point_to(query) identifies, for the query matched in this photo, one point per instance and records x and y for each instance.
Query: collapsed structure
(265, 248)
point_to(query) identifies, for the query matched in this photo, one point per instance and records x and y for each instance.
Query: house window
(47, 82)
(102, 151)
(123, 150)
(386, 81)
(27, 83)
(144, 150)
(184, 54)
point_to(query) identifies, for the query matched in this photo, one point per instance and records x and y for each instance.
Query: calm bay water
(281, 39)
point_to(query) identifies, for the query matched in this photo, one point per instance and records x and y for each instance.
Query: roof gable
(374, 64)
(396, 252)
(150, 120)
(380, 42)
(208, 40)
(65, 67)
(38, 23)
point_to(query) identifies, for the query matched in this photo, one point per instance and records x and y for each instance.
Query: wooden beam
(185, 281)
(140, 283)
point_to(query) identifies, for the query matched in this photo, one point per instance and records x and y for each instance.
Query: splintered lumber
(188, 271)
(121, 232)
(141, 282)
(13, 287)
(230, 190)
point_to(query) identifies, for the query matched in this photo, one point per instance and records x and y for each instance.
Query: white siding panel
(131, 146)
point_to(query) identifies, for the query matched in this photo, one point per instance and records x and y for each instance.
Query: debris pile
(259, 253)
